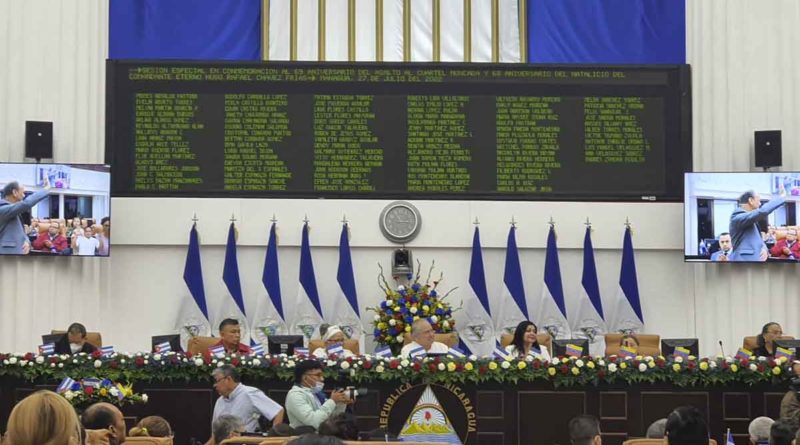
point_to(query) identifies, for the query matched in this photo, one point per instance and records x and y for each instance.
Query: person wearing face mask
(76, 335)
(790, 404)
(306, 403)
(13, 239)
(246, 403)
(332, 335)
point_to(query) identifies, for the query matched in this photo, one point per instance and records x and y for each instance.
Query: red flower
(173, 359)
(482, 370)
(235, 362)
(691, 365)
(760, 367)
(725, 365)
(772, 363)
(53, 359)
(744, 362)
(28, 356)
(660, 363)
(417, 366)
(96, 353)
(613, 358)
(564, 369)
(459, 367)
(88, 390)
(113, 365)
(431, 367)
(393, 364)
(274, 362)
(207, 359)
(367, 365)
(536, 364)
(139, 361)
(601, 374)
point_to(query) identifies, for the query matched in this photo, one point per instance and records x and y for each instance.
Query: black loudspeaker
(38, 140)
(768, 148)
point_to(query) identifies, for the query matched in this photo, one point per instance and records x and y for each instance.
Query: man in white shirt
(244, 402)
(423, 337)
(85, 245)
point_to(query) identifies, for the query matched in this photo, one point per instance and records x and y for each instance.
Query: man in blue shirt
(244, 402)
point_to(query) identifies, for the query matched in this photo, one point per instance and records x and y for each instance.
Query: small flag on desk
(301, 351)
(626, 351)
(574, 350)
(107, 351)
(729, 438)
(417, 352)
(455, 352)
(500, 353)
(163, 347)
(257, 349)
(65, 385)
(534, 352)
(93, 382)
(216, 350)
(743, 353)
(47, 348)
(784, 352)
(336, 349)
(681, 352)
(385, 352)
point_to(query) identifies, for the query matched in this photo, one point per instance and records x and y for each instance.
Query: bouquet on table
(87, 391)
(405, 303)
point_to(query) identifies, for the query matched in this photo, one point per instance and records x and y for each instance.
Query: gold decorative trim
(293, 30)
(467, 30)
(522, 13)
(264, 29)
(437, 30)
(406, 30)
(495, 31)
(351, 30)
(321, 11)
(379, 30)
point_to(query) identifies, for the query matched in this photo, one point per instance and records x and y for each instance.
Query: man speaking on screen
(748, 245)
(13, 240)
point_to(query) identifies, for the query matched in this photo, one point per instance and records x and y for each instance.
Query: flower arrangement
(404, 304)
(92, 390)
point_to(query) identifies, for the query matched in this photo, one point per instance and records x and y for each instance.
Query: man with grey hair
(423, 337)
(225, 427)
(759, 430)
(13, 239)
(657, 429)
(246, 403)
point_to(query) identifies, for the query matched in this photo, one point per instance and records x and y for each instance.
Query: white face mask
(318, 387)
(75, 347)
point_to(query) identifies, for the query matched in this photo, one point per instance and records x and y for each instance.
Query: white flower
(23, 362)
(413, 310)
(198, 362)
(256, 362)
(98, 363)
(40, 359)
(331, 363)
(712, 365)
(601, 362)
(434, 319)
(69, 395)
(441, 367)
(146, 361)
(220, 363)
(144, 398)
(122, 361)
(13, 361)
(678, 359)
(446, 324)
(401, 288)
(642, 367)
(505, 364)
(753, 367)
(392, 322)
(761, 359)
(113, 391)
(377, 318)
(290, 363)
(400, 338)
(579, 363)
(156, 357)
(75, 361)
(473, 357)
(379, 369)
(52, 365)
(648, 359)
(404, 363)
(612, 367)
(30, 363)
(60, 365)
(728, 359)
(344, 365)
(5, 362)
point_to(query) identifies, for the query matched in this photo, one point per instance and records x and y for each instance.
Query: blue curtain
(607, 31)
(185, 29)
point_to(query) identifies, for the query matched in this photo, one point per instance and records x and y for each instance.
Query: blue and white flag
(233, 307)
(417, 352)
(193, 318)
(47, 348)
(163, 347)
(477, 329)
(217, 350)
(513, 306)
(93, 382)
(269, 318)
(384, 351)
(301, 352)
(345, 311)
(455, 352)
(308, 312)
(587, 320)
(107, 351)
(625, 314)
(729, 438)
(257, 349)
(500, 353)
(65, 385)
(335, 349)
(552, 316)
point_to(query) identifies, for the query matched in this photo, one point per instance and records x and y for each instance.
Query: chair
(649, 344)
(349, 344)
(257, 440)
(93, 338)
(543, 339)
(450, 339)
(200, 344)
(656, 442)
(146, 440)
(751, 341)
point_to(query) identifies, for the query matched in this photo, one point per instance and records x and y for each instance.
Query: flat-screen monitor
(668, 345)
(72, 219)
(284, 344)
(560, 346)
(174, 341)
(790, 344)
(719, 228)
(60, 340)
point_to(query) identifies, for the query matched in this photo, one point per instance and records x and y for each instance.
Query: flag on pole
(626, 313)
(729, 438)
(269, 318)
(588, 320)
(308, 315)
(346, 314)
(193, 319)
(234, 307)
(477, 332)
(513, 306)
(552, 310)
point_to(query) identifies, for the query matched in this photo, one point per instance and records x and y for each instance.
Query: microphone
(721, 348)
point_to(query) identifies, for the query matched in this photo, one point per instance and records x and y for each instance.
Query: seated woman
(331, 335)
(525, 342)
(151, 426)
(769, 333)
(44, 417)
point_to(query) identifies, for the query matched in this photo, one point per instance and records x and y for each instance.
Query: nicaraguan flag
(65, 385)
(417, 352)
(308, 315)
(587, 320)
(107, 351)
(626, 311)
(335, 349)
(269, 318)
(193, 318)
(217, 350)
(303, 352)
(233, 307)
(164, 347)
(477, 332)
(455, 352)
(384, 351)
(47, 348)
(513, 305)
(553, 311)
(345, 310)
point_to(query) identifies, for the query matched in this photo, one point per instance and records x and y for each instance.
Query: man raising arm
(13, 239)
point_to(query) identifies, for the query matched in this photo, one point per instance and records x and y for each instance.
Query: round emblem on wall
(400, 222)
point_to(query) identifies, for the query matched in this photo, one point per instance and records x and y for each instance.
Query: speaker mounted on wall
(38, 140)
(768, 148)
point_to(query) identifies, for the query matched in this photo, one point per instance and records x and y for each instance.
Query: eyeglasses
(219, 380)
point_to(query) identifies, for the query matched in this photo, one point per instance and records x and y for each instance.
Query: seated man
(584, 430)
(686, 426)
(724, 248)
(423, 336)
(759, 430)
(230, 333)
(790, 404)
(243, 402)
(656, 429)
(105, 416)
(76, 335)
(782, 432)
(226, 427)
(331, 335)
(306, 404)
(52, 241)
(787, 248)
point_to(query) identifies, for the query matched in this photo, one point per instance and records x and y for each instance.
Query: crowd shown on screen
(781, 243)
(78, 236)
